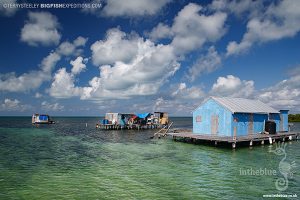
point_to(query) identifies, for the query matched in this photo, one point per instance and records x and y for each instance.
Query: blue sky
(145, 56)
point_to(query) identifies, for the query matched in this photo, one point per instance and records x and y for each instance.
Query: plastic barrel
(270, 127)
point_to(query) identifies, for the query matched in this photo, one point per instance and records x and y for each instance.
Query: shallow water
(68, 160)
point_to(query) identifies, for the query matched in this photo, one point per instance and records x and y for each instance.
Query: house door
(214, 124)
(281, 122)
(250, 124)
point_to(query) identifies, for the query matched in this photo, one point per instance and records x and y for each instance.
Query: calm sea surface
(68, 160)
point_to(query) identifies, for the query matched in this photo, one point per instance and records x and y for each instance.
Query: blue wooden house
(236, 117)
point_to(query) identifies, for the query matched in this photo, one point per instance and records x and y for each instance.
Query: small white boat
(41, 119)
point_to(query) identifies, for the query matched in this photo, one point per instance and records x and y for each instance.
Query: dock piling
(270, 140)
(233, 145)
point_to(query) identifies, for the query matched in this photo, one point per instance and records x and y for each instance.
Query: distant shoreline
(294, 117)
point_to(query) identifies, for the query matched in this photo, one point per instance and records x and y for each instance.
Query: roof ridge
(244, 105)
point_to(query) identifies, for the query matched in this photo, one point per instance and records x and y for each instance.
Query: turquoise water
(68, 160)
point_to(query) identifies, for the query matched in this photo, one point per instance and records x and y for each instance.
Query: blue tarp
(142, 115)
(43, 117)
(104, 121)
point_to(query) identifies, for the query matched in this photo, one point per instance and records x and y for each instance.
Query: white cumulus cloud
(232, 86)
(130, 8)
(116, 47)
(33, 79)
(38, 95)
(183, 92)
(27, 81)
(182, 106)
(78, 65)
(161, 31)
(51, 106)
(237, 7)
(131, 66)
(126, 9)
(191, 29)
(49, 62)
(13, 105)
(71, 48)
(279, 20)
(205, 64)
(63, 85)
(285, 94)
(41, 29)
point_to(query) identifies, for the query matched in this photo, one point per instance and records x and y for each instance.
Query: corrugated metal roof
(239, 105)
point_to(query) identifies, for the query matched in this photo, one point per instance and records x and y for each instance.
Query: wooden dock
(249, 140)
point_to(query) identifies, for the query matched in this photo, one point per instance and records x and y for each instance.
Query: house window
(198, 118)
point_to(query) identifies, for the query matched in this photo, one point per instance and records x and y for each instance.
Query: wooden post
(270, 140)
(262, 142)
(251, 143)
(234, 133)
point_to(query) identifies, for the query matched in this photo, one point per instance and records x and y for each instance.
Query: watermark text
(51, 5)
(258, 172)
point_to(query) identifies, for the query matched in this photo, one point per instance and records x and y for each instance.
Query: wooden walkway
(250, 139)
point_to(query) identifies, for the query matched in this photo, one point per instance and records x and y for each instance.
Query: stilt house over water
(134, 121)
(41, 119)
(236, 117)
